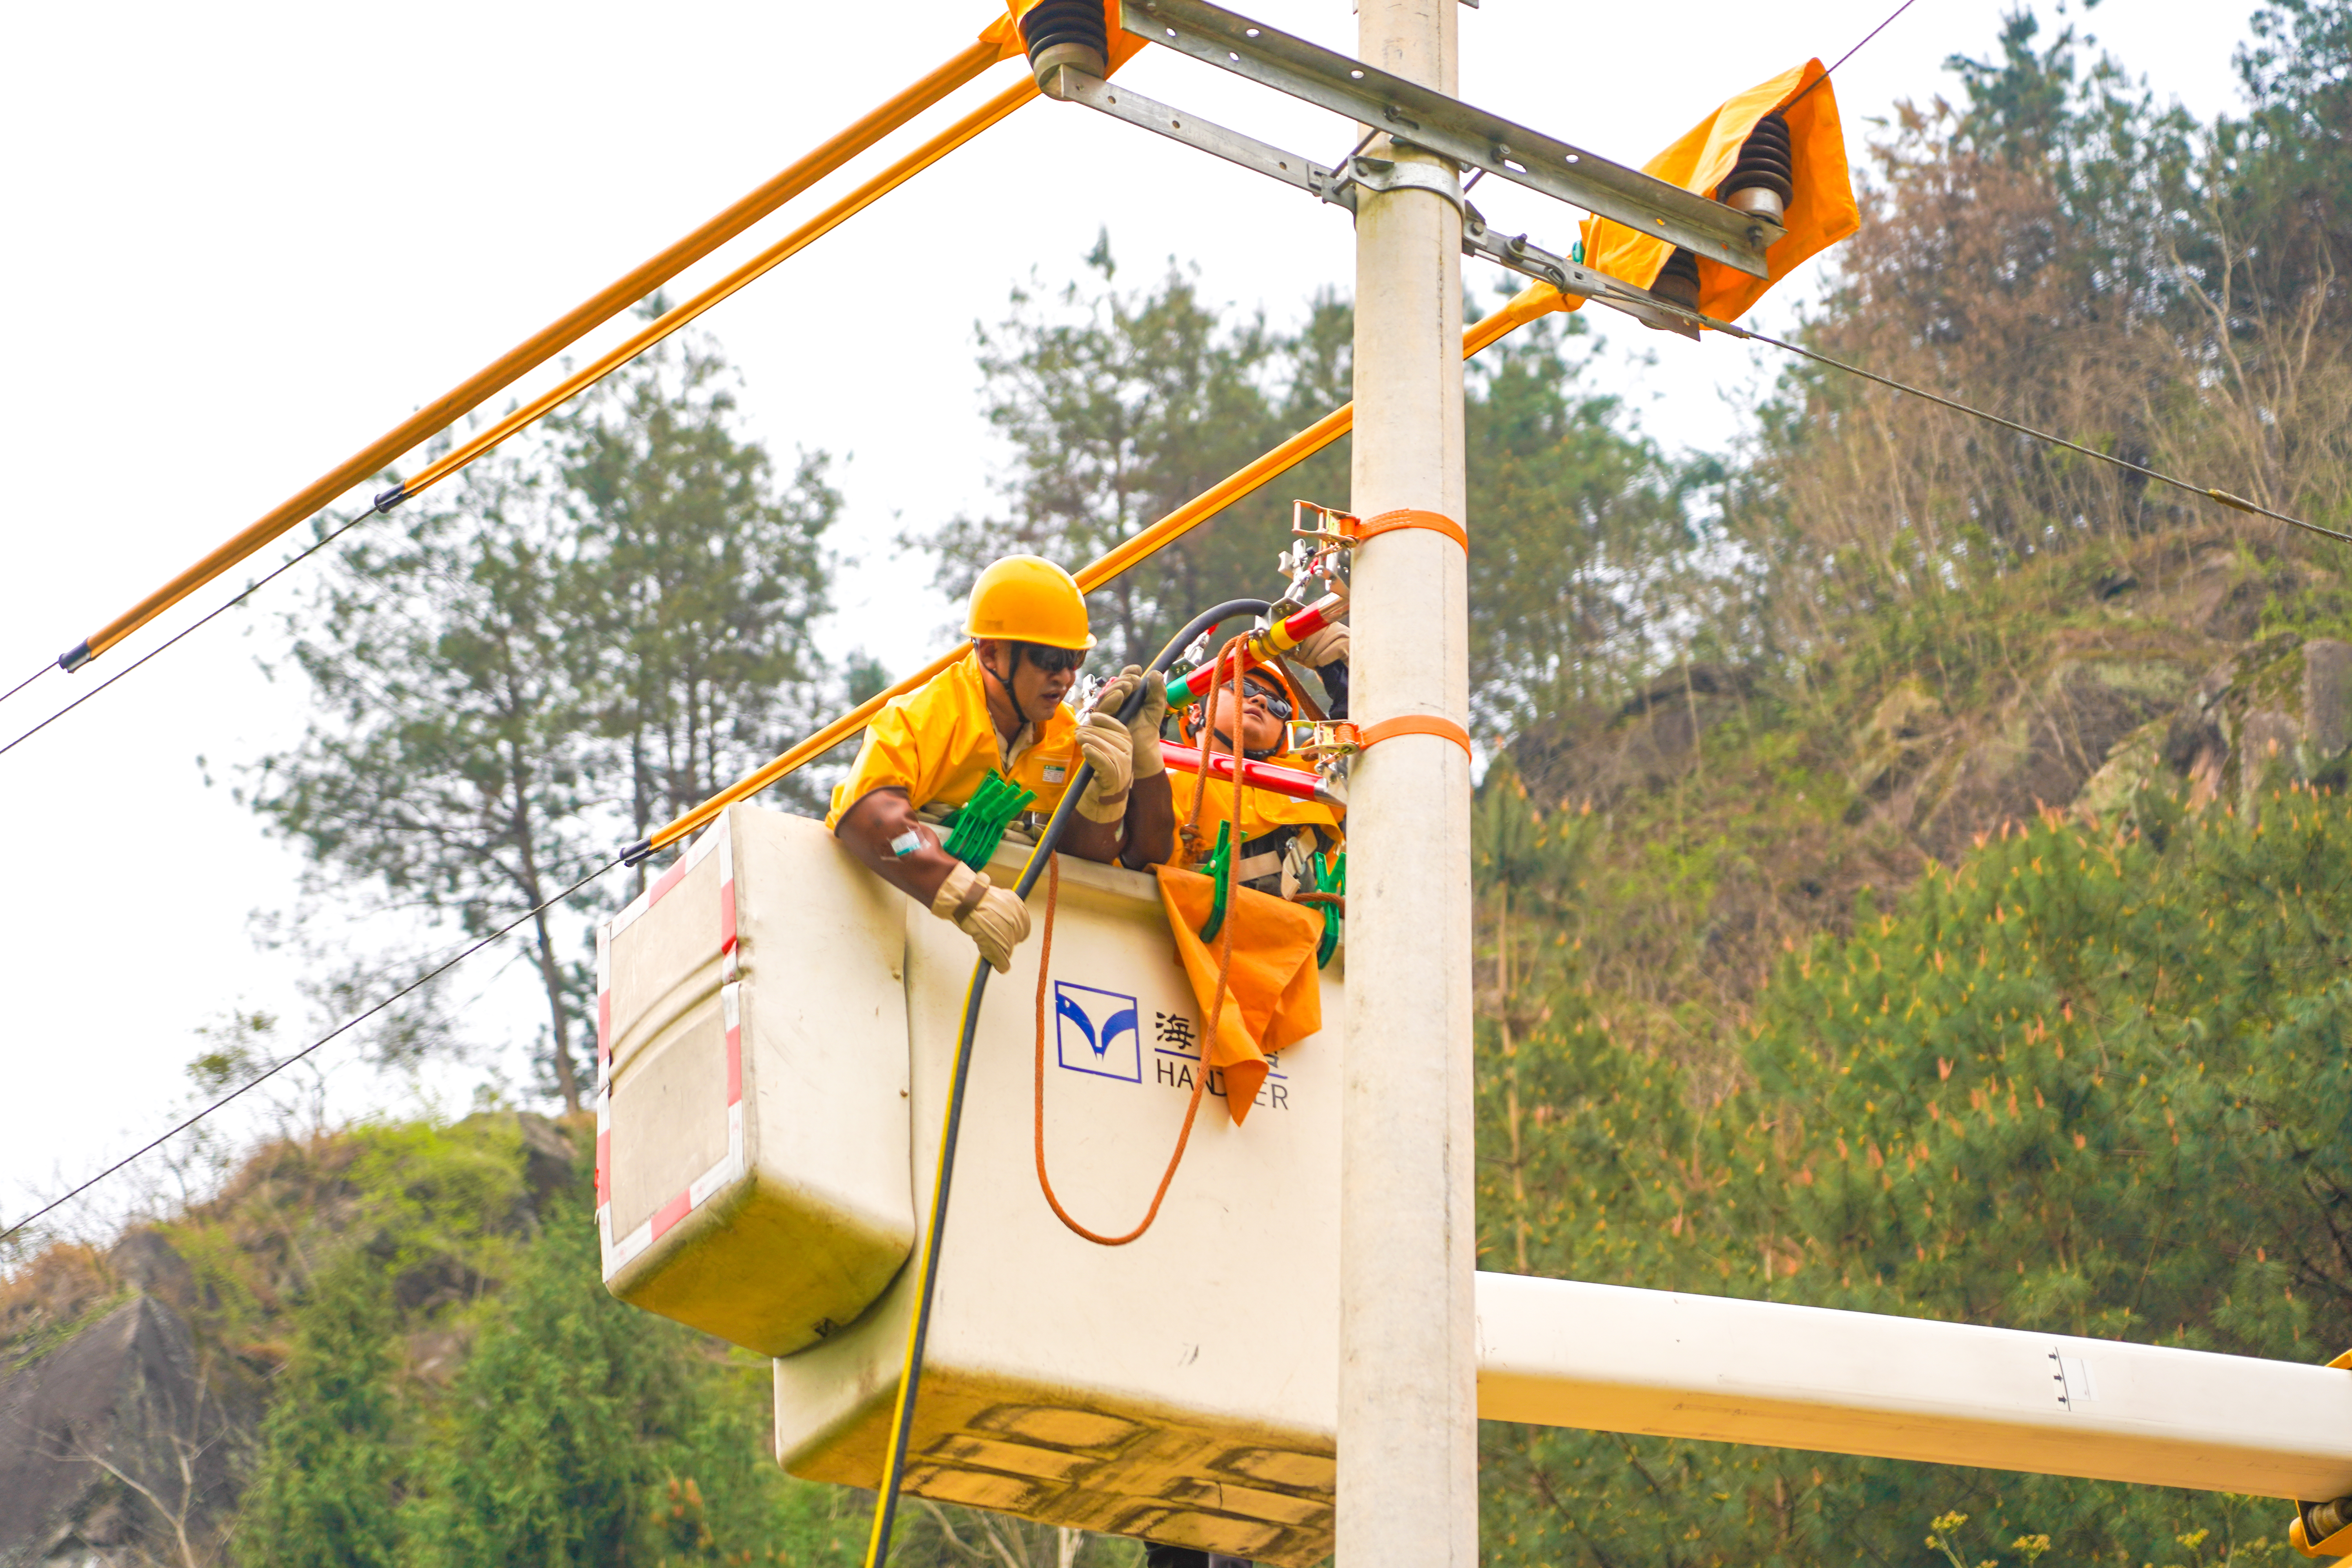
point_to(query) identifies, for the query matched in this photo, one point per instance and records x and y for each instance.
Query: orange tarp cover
(1822, 212)
(1274, 992)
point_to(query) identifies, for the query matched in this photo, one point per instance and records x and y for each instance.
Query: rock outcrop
(114, 1447)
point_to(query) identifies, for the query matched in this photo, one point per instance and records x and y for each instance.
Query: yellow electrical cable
(669, 321)
(549, 340)
(1523, 307)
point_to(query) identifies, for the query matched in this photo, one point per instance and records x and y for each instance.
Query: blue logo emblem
(1096, 1032)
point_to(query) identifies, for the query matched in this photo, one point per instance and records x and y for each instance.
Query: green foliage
(2093, 1081)
(326, 1491)
(1121, 405)
(602, 627)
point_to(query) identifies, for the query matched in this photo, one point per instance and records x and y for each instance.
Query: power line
(342, 1028)
(2224, 497)
(46, 666)
(251, 588)
(1865, 38)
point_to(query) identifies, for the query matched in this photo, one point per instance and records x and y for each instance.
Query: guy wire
(342, 1028)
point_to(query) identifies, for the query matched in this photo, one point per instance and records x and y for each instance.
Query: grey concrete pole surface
(1408, 1488)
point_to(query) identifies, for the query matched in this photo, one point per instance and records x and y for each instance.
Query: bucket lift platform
(781, 1027)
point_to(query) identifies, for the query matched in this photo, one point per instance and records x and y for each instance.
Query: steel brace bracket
(1338, 185)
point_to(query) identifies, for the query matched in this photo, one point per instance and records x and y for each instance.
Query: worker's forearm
(867, 829)
(1090, 840)
(1150, 824)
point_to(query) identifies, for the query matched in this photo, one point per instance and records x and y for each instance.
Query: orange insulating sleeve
(669, 321)
(1523, 307)
(550, 339)
(1296, 783)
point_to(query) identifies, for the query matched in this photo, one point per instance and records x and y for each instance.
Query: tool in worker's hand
(995, 919)
(1281, 636)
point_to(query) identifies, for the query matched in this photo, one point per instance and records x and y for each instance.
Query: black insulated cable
(346, 1026)
(250, 589)
(902, 1419)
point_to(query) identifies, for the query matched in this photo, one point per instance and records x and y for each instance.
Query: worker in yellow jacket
(1000, 710)
(1280, 836)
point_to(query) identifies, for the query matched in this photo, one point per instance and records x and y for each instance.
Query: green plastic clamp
(1220, 871)
(978, 824)
(1329, 878)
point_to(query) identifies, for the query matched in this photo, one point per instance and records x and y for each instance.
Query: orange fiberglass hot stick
(550, 341)
(669, 321)
(1523, 307)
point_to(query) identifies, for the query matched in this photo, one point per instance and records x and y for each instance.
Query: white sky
(250, 237)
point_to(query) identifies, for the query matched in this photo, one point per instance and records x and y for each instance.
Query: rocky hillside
(1724, 814)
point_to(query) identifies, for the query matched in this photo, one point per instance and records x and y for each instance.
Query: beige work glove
(1103, 741)
(1329, 646)
(1143, 730)
(996, 922)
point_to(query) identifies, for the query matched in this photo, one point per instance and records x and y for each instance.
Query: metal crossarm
(1470, 136)
(1339, 186)
(1121, 102)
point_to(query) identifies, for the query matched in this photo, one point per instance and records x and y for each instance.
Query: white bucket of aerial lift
(1183, 1387)
(760, 1177)
(751, 1137)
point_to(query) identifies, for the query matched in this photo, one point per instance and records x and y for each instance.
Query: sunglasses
(1055, 660)
(1274, 702)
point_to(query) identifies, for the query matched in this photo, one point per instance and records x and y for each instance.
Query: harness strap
(1407, 517)
(1445, 729)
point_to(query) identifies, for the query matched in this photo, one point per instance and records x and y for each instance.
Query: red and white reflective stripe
(726, 892)
(731, 1010)
(718, 838)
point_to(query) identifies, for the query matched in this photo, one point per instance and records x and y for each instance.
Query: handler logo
(1096, 1032)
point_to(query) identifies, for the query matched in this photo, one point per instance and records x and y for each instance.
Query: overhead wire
(250, 589)
(2224, 497)
(46, 665)
(550, 339)
(337, 1032)
(1851, 52)
(653, 333)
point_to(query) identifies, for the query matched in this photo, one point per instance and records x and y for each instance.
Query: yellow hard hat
(1028, 598)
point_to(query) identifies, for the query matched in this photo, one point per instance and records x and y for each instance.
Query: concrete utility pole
(1408, 1490)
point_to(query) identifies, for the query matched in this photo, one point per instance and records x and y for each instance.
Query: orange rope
(1235, 648)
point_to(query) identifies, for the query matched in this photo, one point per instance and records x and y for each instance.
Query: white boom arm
(1558, 1354)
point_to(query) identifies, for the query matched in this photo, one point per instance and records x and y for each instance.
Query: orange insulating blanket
(1273, 993)
(1822, 212)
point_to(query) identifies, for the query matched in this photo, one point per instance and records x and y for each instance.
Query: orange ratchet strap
(1339, 739)
(1407, 517)
(1445, 729)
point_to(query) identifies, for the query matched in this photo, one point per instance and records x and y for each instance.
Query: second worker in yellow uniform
(999, 709)
(1279, 835)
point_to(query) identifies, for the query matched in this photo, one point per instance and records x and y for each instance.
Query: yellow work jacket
(938, 743)
(1263, 811)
